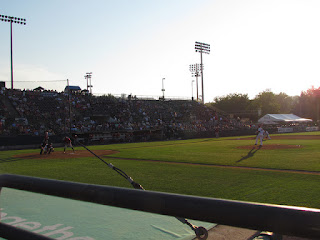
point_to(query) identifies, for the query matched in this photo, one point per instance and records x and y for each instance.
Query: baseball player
(44, 144)
(67, 143)
(266, 134)
(46, 137)
(260, 135)
(43, 147)
(50, 148)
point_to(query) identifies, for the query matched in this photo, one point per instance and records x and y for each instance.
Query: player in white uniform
(266, 134)
(260, 135)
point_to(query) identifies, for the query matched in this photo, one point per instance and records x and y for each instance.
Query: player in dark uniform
(43, 147)
(67, 143)
(50, 148)
(44, 144)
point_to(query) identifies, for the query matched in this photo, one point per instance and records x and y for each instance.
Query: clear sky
(131, 45)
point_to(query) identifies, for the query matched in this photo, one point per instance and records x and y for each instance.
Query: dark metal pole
(202, 48)
(69, 100)
(192, 89)
(197, 89)
(90, 86)
(12, 20)
(194, 68)
(11, 55)
(201, 68)
(163, 88)
(197, 75)
(87, 83)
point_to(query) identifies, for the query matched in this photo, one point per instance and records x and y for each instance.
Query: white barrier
(285, 130)
(312, 129)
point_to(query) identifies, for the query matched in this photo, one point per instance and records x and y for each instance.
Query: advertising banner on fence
(312, 129)
(285, 130)
(61, 218)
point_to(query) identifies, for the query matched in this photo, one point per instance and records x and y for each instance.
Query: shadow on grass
(10, 159)
(250, 153)
(14, 159)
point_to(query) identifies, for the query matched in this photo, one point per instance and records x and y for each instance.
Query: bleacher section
(40, 111)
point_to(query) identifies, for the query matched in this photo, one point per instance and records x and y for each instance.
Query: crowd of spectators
(34, 112)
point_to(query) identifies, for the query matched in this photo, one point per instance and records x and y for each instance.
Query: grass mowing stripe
(237, 184)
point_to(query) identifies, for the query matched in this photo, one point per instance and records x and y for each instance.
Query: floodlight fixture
(202, 48)
(11, 20)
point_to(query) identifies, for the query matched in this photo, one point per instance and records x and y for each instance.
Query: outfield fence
(285, 220)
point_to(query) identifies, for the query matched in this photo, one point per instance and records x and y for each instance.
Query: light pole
(11, 20)
(88, 76)
(195, 72)
(202, 48)
(69, 100)
(163, 88)
(192, 89)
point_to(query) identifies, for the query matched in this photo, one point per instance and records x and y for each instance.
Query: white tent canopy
(282, 118)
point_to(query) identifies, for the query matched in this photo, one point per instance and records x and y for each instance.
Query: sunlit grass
(209, 180)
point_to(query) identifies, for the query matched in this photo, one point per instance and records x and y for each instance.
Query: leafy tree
(306, 105)
(237, 104)
(232, 102)
(267, 102)
(309, 103)
(286, 102)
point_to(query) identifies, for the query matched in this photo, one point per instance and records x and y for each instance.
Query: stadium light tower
(88, 76)
(202, 48)
(195, 72)
(11, 20)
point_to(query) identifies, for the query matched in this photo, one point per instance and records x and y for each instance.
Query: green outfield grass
(171, 171)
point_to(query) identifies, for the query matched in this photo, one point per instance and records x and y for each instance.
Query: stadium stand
(32, 112)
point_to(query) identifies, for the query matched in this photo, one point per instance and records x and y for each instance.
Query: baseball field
(285, 170)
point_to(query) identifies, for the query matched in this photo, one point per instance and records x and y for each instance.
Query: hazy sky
(131, 45)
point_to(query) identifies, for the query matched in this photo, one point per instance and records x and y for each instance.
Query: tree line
(306, 105)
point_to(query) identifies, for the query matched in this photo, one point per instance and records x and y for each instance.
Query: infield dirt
(69, 154)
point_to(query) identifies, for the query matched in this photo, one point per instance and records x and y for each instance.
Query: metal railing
(285, 220)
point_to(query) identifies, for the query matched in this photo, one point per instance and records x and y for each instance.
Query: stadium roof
(282, 118)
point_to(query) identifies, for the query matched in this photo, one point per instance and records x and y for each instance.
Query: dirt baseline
(278, 146)
(286, 137)
(270, 146)
(69, 154)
